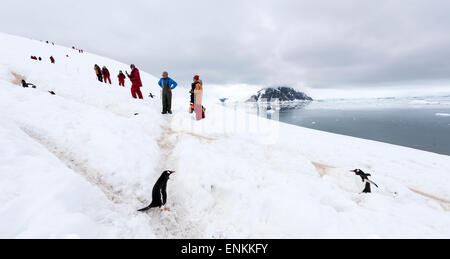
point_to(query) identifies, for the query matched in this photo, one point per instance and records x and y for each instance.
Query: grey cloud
(314, 43)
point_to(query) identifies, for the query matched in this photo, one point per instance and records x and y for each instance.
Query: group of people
(103, 74)
(167, 85)
(79, 50)
(52, 59)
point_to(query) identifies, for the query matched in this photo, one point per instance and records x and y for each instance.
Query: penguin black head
(167, 174)
(357, 171)
(361, 173)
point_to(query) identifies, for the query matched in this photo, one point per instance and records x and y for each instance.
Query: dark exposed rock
(283, 94)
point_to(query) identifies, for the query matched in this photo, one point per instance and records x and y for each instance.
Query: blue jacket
(172, 84)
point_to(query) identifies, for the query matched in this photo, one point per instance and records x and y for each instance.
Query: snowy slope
(90, 128)
(80, 163)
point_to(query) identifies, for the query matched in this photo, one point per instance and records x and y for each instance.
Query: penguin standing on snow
(159, 194)
(365, 179)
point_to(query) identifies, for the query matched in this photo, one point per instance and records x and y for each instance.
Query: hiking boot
(163, 112)
(170, 112)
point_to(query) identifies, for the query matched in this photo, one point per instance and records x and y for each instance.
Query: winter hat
(197, 77)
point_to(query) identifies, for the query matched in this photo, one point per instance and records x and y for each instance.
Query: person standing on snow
(198, 96)
(52, 59)
(196, 80)
(167, 85)
(136, 82)
(106, 75)
(121, 77)
(98, 72)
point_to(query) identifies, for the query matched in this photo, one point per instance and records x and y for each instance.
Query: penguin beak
(171, 172)
(353, 171)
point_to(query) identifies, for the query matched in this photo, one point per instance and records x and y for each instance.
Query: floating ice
(419, 102)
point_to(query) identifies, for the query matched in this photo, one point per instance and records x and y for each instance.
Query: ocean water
(419, 123)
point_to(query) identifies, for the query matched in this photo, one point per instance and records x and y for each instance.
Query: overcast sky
(319, 44)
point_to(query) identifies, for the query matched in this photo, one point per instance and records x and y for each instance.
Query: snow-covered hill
(283, 94)
(79, 164)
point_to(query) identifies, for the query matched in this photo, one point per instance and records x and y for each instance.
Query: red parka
(105, 72)
(135, 78)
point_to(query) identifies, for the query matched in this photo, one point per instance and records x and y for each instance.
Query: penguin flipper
(373, 183)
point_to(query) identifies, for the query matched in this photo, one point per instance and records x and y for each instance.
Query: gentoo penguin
(159, 194)
(365, 178)
(26, 85)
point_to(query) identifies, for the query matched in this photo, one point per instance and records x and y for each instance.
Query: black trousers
(100, 77)
(167, 99)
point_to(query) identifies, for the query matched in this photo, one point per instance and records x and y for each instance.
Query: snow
(80, 163)
(442, 114)
(43, 198)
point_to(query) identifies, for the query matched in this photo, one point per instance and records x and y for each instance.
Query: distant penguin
(52, 93)
(26, 85)
(151, 96)
(365, 179)
(159, 194)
